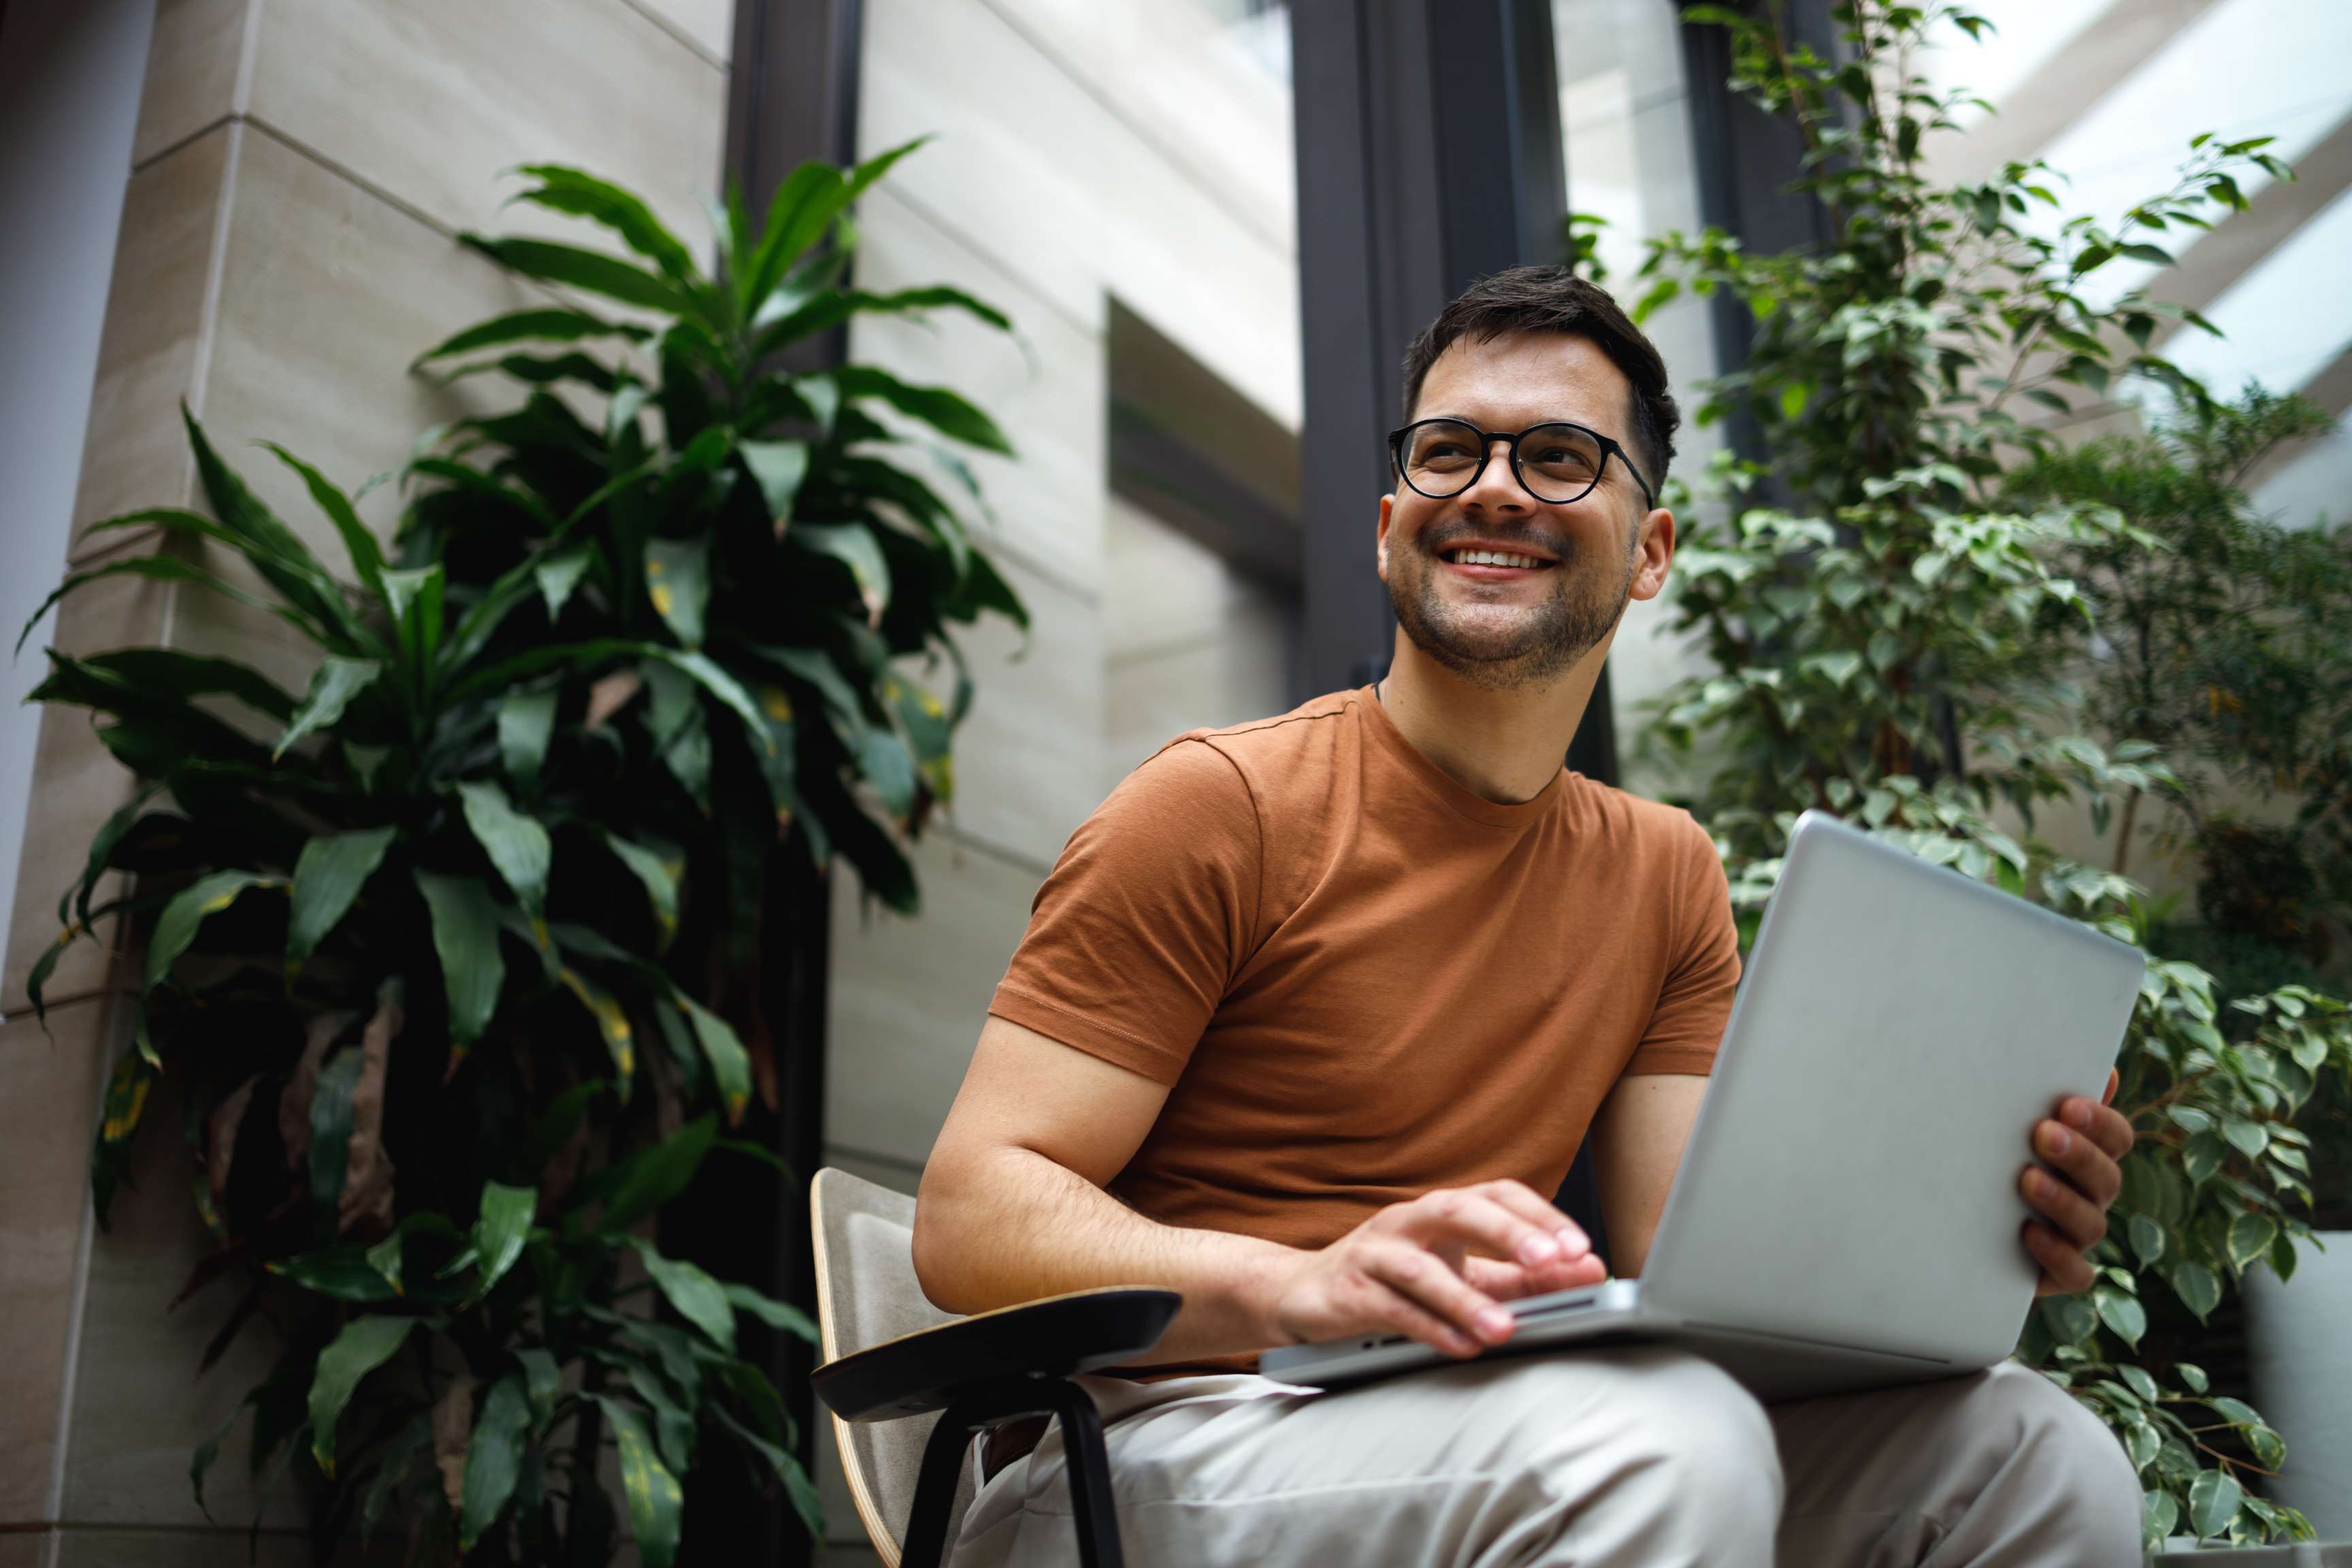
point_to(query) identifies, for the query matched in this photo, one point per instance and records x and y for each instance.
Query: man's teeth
(1491, 558)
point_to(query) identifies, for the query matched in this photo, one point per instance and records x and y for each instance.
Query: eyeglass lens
(1557, 462)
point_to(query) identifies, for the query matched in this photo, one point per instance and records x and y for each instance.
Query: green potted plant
(1879, 645)
(2228, 645)
(434, 949)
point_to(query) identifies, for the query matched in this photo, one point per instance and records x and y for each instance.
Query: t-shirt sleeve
(1135, 937)
(1702, 976)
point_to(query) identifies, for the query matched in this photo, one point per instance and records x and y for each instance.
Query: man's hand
(2082, 1144)
(1436, 1269)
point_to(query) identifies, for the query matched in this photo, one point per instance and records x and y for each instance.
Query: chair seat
(1058, 1336)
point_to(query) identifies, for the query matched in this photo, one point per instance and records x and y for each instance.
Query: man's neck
(1505, 745)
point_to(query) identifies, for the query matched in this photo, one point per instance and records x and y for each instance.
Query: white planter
(2299, 1339)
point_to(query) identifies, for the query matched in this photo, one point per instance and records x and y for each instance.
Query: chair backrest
(865, 1293)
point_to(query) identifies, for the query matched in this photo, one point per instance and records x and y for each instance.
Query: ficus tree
(1874, 611)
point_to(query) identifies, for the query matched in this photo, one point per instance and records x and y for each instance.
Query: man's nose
(1498, 487)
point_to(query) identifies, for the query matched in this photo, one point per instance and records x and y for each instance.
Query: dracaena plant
(401, 1016)
(779, 526)
(1876, 609)
(434, 949)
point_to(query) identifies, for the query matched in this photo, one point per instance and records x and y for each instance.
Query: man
(1314, 1011)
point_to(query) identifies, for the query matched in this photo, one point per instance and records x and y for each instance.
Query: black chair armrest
(1056, 1337)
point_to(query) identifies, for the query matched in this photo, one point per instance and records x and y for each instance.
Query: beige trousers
(1605, 1458)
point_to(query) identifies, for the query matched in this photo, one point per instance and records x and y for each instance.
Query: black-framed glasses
(1556, 462)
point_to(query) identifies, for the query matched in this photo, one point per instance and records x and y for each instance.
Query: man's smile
(1490, 560)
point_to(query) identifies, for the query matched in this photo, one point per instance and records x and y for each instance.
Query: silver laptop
(1846, 1212)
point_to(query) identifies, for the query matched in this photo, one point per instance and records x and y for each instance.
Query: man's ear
(1380, 548)
(1655, 552)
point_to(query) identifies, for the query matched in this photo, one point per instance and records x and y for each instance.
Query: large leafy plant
(1877, 611)
(778, 525)
(436, 950)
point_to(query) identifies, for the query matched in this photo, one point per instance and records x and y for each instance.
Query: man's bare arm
(1637, 1142)
(1012, 1207)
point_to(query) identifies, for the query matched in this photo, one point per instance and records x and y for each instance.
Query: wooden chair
(908, 1385)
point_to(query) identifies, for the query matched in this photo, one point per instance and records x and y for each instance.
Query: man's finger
(1531, 1205)
(2103, 1124)
(2081, 1159)
(1430, 1285)
(2064, 1270)
(1461, 1215)
(2076, 1217)
(1510, 1281)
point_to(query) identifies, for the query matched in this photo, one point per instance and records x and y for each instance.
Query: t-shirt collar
(1463, 801)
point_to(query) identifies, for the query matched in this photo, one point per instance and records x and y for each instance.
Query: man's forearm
(1009, 1225)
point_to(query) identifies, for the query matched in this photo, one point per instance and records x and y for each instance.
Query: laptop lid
(1852, 1176)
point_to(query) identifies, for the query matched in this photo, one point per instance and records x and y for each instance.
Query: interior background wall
(295, 177)
(1083, 151)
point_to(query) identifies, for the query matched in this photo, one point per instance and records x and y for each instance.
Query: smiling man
(1313, 1014)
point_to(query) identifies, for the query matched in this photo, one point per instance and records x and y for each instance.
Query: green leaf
(777, 468)
(331, 1117)
(2192, 1376)
(699, 1299)
(168, 671)
(327, 882)
(493, 1457)
(612, 1023)
(544, 1380)
(730, 1065)
(333, 686)
(942, 410)
(678, 581)
(2122, 1313)
(208, 1451)
(339, 1273)
(364, 1344)
(2201, 1157)
(466, 939)
(567, 190)
(526, 724)
(2214, 1500)
(162, 569)
(776, 1314)
(2159, 1516)
(655, 1174)
(500, 1229)
(2141, 1382)
(2249, 1138)
(2198, 1288)
(2250, 1237)
(673, 1428)
(270, 547)
(661, 871)
(577, 268)
(559, 574)
(366, 555)
(2146, 1238)
(187, 911)
(2140, 1444)
(656, 1503)
(530, 326)
(854, 545)
(517, 845)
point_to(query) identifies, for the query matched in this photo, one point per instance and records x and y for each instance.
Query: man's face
(1503, 626)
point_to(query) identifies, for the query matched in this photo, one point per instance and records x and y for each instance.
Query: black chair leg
(984, 1406)
(1088, 1469)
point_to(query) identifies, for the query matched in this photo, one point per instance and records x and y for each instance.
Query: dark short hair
(1553, 299)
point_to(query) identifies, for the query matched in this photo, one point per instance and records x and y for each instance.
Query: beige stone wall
(1070, 166)
(299, 171)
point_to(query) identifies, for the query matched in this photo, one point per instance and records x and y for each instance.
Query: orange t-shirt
(1361, 981)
